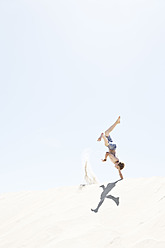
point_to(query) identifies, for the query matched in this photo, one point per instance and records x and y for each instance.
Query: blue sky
(68, 70)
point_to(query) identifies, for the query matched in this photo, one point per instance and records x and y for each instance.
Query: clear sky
(68, 70)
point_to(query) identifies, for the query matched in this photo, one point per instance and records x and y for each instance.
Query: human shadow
(104, 195)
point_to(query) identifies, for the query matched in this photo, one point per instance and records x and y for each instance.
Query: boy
(112, 148)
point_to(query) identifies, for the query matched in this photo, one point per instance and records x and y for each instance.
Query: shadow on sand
(104, 195)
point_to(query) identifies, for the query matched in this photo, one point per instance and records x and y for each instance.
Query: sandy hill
(62, 217)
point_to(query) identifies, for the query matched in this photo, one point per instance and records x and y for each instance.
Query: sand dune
(62, 217)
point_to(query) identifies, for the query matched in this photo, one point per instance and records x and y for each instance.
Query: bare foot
(99, 139)
(118, 120)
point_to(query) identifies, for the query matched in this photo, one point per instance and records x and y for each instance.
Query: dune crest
(62, 217)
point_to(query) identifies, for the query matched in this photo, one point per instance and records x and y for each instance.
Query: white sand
(62, 217)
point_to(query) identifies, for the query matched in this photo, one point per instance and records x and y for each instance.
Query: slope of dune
(62, 217)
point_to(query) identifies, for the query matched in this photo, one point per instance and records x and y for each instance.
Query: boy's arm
(106, 155)
(120, 174)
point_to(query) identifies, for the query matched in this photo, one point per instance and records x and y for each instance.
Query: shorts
(110, 146)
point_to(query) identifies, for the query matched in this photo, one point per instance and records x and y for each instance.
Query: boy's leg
(99, 139)
(112, 127)
(104, 138)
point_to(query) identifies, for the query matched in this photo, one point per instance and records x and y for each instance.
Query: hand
(103, 160)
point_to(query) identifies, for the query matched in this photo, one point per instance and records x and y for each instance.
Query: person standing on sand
(112, 148)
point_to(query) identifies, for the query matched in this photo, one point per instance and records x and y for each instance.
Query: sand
(62, 217)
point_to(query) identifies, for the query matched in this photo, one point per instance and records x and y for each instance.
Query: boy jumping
(112, 148)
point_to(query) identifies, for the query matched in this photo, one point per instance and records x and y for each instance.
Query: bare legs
(107, 132)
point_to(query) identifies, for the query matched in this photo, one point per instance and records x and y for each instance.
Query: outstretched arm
(106, 155)
(120, 174)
